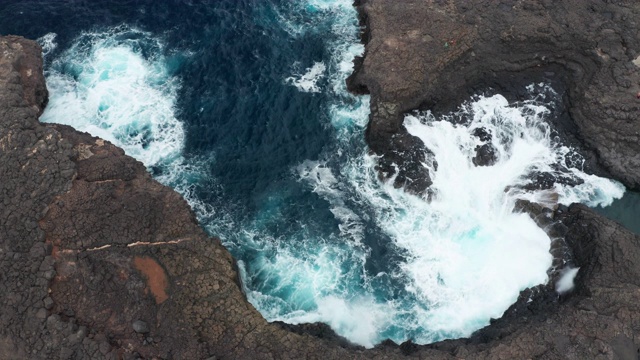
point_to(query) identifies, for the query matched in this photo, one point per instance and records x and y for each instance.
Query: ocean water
(625, 210)
(241, 106)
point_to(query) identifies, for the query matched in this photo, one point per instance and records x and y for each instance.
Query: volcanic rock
(124, 247)
(140, 326)
(436, 54)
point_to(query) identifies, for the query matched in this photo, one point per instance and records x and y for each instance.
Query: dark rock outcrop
(92, 249)
(435, 54)
(101, 261)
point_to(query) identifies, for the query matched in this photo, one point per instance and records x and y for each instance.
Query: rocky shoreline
(436, 54)
(101, 261)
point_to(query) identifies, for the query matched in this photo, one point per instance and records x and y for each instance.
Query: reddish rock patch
(156, 277)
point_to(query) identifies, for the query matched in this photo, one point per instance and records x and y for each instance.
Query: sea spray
(566, 281)
(117, 85)
(325, 240)
(308, 82)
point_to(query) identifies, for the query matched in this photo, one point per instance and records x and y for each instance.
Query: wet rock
(485, 155)
(482, 134)
(319, 330)
(501, 47)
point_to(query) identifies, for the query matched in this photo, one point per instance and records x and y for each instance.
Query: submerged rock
(485, 155)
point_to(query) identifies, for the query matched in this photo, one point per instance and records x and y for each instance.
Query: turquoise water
(241, 106)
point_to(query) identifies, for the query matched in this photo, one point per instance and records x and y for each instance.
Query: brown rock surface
(76, 213)
(90, 244)
(435, 54)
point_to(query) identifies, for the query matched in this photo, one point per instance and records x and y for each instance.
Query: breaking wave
(119, 86)
(331, 243)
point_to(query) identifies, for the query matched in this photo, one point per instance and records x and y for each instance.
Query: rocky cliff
(435, 53)
(100, 261)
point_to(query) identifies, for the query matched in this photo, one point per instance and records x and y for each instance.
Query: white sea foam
(470, 254)
(324, 183)
(104, 85)
(359, 320)
(48, 44)
(467, 254)
(308, 82)
(566, 281)
(594, 191)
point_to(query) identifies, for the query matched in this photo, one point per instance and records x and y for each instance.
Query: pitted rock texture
(434, 54)
(99, 261)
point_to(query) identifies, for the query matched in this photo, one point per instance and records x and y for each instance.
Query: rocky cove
(164, 289)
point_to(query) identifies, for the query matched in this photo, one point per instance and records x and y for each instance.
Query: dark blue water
(236, 73)
(241, 106)
(232, 87)
(231, 58)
